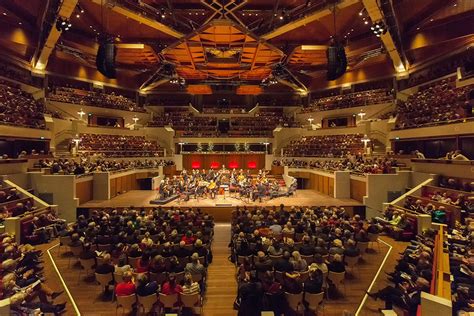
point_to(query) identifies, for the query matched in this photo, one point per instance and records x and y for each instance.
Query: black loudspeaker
(105, 59)
(337, 61)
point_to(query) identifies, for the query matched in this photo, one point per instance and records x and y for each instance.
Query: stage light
(379, 28)
(252, 165)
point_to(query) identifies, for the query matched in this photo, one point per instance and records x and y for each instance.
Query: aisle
(221, 283)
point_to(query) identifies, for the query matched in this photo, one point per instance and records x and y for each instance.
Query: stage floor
(142, 198)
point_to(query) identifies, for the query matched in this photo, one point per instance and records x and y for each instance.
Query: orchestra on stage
(209, 183)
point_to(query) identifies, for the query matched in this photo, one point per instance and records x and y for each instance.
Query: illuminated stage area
(221, 207)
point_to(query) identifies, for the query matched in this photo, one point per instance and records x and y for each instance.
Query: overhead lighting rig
(63, 24)
(379, 28)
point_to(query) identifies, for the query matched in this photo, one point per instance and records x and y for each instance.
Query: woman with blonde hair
(299, 264)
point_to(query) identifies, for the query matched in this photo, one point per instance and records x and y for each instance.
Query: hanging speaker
(105, 59)
(337, 61)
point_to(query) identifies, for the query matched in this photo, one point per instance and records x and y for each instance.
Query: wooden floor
(142, 198)
(222, 286)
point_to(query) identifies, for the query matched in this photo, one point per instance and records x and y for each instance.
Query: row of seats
(93, 98)
(325, 146)
(291, 260)
(436, 103)
(119, 146)
(369, 97)
(18, 108)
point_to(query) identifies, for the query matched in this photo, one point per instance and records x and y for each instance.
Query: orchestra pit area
(236, 157)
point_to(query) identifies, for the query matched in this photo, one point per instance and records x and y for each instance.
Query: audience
(325, 146)
(436, 103)
(93, 98)
(119, 146)
(18, 108)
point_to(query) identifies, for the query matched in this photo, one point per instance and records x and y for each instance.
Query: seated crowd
(23, 282)
(369, 97)
(18, 108)
(188, 124)
(413, 273)
(119, 146)
(325, 146)
(293, 252)
(93, 98)
(86, 166)
(147, 252)
(352, 163)
(435, 103)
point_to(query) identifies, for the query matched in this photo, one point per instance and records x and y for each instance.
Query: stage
(221, 207)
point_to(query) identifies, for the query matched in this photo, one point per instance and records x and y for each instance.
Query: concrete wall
(342, 185)
(63, 191)
(433, 131)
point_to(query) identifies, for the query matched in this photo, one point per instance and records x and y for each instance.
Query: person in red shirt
(188, 238)
(126, 287)
(170, 287)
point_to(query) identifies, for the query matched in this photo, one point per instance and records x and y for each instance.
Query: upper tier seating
(355, 164)
(187, 124)
(119, 146)
(436, 103)
(18, 108)
(93, 98)
(325, 146)
(354, 99)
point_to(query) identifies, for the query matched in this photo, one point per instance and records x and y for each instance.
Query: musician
(212, 189)
(275, 189)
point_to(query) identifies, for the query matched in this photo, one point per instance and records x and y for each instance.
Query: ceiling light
(366, 22)
(4, 13)
(19, 23)
(82, 10)
(78, 16)
(63, 22)
(360, 13)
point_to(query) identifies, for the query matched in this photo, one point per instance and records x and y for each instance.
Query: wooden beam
(376, 14)
(65, 11)
(117, 8)
(317, 15)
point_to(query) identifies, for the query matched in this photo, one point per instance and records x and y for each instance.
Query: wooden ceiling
(202, 48)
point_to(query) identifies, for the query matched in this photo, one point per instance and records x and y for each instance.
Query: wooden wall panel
(331, 187)
(113, 188)
(358, 190)
(84, 191)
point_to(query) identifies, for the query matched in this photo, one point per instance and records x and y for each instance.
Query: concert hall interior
(237, 157)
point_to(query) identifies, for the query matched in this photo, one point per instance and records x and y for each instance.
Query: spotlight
(379, 28)
(78, 16)
(63, 24)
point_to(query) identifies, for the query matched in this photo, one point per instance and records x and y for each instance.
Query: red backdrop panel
(231, 161)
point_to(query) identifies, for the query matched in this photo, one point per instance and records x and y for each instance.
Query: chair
(104, 280)
(160, 278)
(76, 251)
(126, 302)
(118, 277)
(240, 259)
(279, 276)
(104, 247)
(351, 262)
(275, 258)
(295, 301)
(362, 246)
(198, 277)
(337, 278)
(63, 242)
(191, 301)
(304, 276)
(86, 265)
(147, 303)
(314, 301)
(168, 301)
(309, 259)
(325, 280)
(374, 238)
(132, 261)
